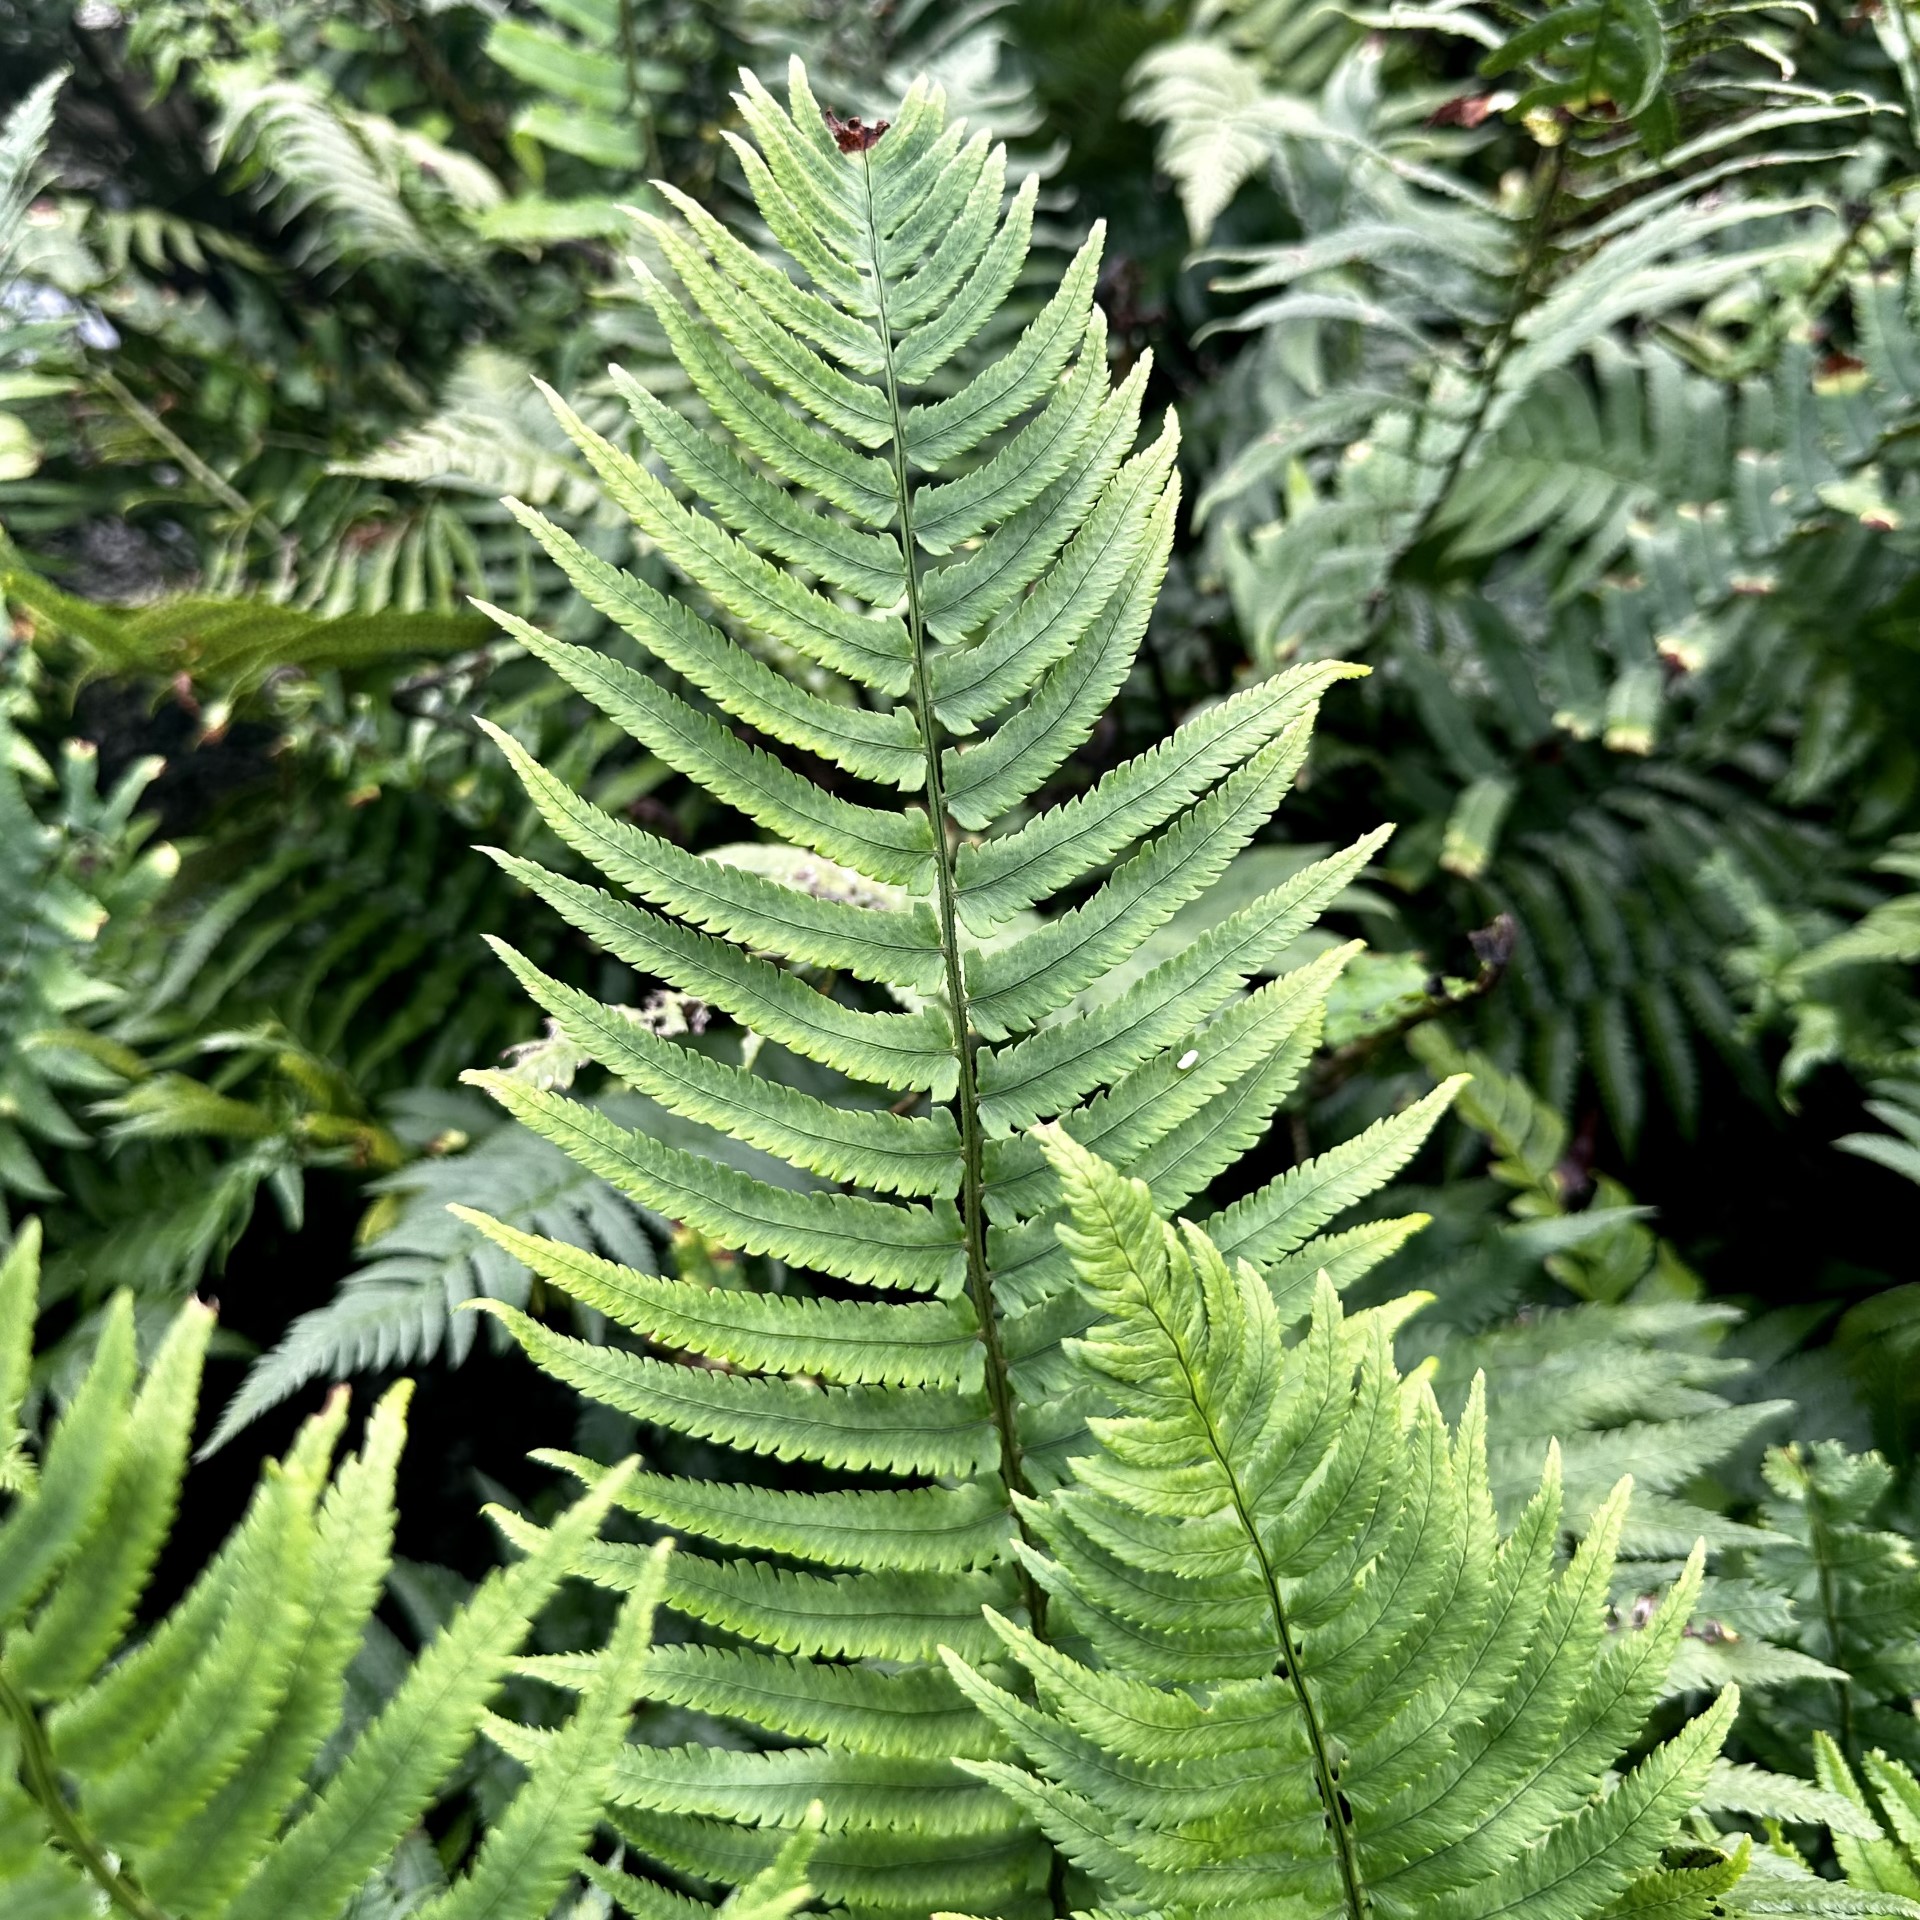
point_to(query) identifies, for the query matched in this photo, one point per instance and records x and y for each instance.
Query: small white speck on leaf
(1191, 1058)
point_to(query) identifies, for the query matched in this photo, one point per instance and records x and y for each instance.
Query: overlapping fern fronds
(401, 1306)
(1325, 1684)
(1529, 415)
(197, 1771)
(951, 564)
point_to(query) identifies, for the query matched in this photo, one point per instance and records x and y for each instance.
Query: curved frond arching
(179, 1772)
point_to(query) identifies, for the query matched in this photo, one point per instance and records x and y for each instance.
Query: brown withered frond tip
(854, 135)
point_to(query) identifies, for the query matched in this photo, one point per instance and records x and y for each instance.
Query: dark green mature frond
(1325, 1684)
(192, 1772)
(927, 568)
(1533, 417)
(231, 645)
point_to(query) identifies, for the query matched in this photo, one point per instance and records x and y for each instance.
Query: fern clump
(202, 1771)
(930, 576)
(1327, 1685)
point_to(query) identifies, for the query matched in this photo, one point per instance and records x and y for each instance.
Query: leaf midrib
(973, 1178)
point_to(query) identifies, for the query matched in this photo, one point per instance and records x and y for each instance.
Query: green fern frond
(926, 566)
(177, 1774)
(1325, 1683)
(367, 189)
(595, 77)
(1502, 428)
(232, 645)
(23, 139)
(1827, 1545)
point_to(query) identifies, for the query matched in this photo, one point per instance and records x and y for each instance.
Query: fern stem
(1823, 1557)
(157, 429)
(42, 1781)
(1493, 362)
(1353, 1891)
(972, 1143)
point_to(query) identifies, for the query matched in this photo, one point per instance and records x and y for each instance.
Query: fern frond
(925, 565)
(178, 1774)
(1271, 1728)
(401, 1306)
(372, 190)
(1850, 1580)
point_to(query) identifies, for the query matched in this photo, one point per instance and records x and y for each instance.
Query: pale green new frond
(50, 1521)
(352, 1548)
(184, 1773)
(531, 1853)
(238, 1677)
(19, 1296)
(83, 1620)
(102, 1727)
(398, 1761)
(1267, 1731)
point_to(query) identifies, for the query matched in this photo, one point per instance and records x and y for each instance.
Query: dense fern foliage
(1537, 419)
(928, 784)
